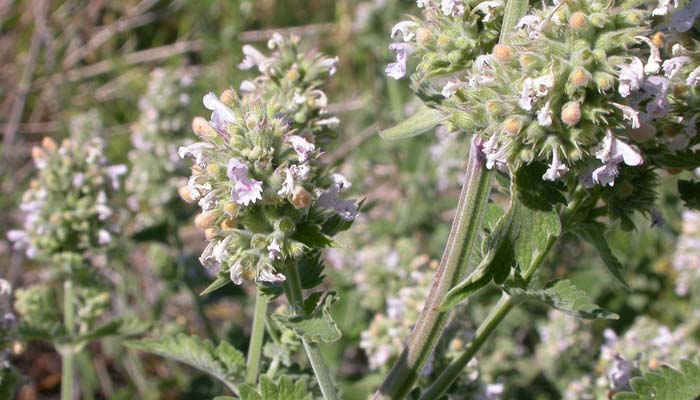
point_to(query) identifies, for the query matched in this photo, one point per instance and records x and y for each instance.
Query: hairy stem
(431, 322)
(256, 338)
(499, 312)
(293, 290)
(67, 355)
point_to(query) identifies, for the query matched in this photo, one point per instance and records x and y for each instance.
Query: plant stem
(256, 338)
(502, 308)
(431, 322)
(67, 354)
(293, 290)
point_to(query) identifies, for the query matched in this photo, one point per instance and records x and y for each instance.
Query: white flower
(221, 113)
(556, 168)
(620, 373)
(673, 65)
(531, 24)
(682, 20)
(544, 116)
(451, 88)
(331, 122)
(103, 237)
(631, 77)
(340, 180)
(452, 8)
(236, 273)
(488, 8)
(654, 62)
(274, 252)
(268, 275)
(247, 86)
(288, 185)
(245, 190)
(404, 31)
(629, 114)
(302, 147)
(207, 258)
(253, 58)
(397, 70)
(114, 172)
(196, 150)
(613, 152)
(534, 88)
(664, 6)
(331, 64)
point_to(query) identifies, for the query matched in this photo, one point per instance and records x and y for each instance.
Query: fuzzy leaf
(309, 233)
(562, 295)
(594, 234)
(420, 122)
(316, 326)
(223, 362)
(311, 270)
(686, 159)
(520, 235)
(665, 384)
(690, 193)
(535, 192)
(284, 389)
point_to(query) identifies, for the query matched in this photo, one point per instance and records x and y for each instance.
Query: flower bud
(526, 155)
(230, 208)
(49, 143)
(579, 78)
(228, 97)
(237, 142)
(658, 39)
(38, 153)
(228, 224)
(443, 40)
(679, 90)
(204, 220)
(301, 198)
(604, 81)
(296, 249)
(502, 52)
(571, 113)
(213, 169)
(423, 35)
(209, 233)
(201, 127)
(577, 20)
(258, 242)
(293, 74)
(285, 225)
(512, 125)
(185, 194)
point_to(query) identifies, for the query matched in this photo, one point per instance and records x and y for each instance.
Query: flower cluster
(7, 322)
(66, 209)
(156, 168)
(266, 197)
(451, 35)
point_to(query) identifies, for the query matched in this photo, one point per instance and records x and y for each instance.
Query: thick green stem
(502, 308)
(431, 322)
(293, 290)
(256, 338)
(67, 354)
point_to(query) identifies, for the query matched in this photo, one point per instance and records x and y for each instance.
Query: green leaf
(666, 384)
(562, 295)
(222, 279)
(223, 362)
(535, 192)
(127, 326)
(310, 268)
(687, 159)
(420, 122)
(594, 234)
(690, 193)
(9, 380)
(284, 389)
(316, 326)
(309, 233)
(520, 235)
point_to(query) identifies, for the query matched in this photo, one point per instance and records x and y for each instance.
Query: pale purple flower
(207, 258)
(274, 251)
(236, 169)
(247, 86)
(653, 64)
(673, 65)
(196, 151)
(221, 114)
(103, 237)
(613, 152)
(288, 185)
(620, 373)
(346, 209)
(268, 275)
(302, 147)
(209, 201)
(629, 114)
(236, 273)
(404, 31)
(452, 8)
(691, 128)
(544, 116)
(253, 58)
(340, 180)
(631, 77)
(331, 64)
(678, 143)
(246, 191)
(693, 78)
(533, 89)
(114, 172)
(682, 20)
(556, 168)
(397, 70)
(664, 6)
(657, 219)
(331, 122)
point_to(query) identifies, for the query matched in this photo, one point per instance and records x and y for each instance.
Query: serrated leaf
(222, 279)
(594, 234)
(535, 192)
(562, 295)
(310, 268)
(223, 362)
(317, 326)
(309, 233)
(690, 193)
(422, 121)
(284, 389)
(127, 326)
(666, 384)
(520, 235)
(686, 159)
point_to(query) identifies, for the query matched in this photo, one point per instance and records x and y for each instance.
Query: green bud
(258, 242)
(285, 225)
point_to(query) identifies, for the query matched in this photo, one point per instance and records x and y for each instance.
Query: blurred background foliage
(64, 58)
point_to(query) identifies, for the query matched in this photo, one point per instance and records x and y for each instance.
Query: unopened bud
(204, 220)
(209, 233)
(228, 97)
(577, 20)
(230, 208)
(512, 126)
(285, 225)
(301, 198)
(293, 74)
(571, 113)
(48, 144)
(228, 224)
(423, 35)
(502, 52)
(604, 82)
(658, 39)
(185, 194)
(38, 153)
(443, 40)
(580, 77)
(258, 242)
(201, 127)
(213, 168)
